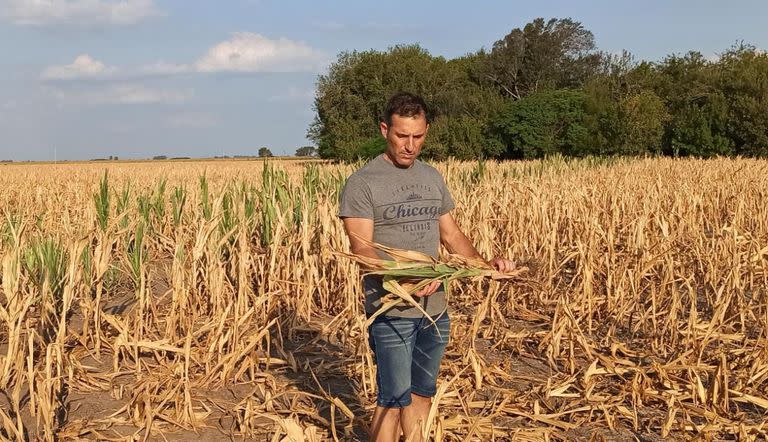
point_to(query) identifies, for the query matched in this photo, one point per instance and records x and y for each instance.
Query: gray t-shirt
(405, 205)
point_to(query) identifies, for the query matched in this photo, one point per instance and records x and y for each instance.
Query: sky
(83, 79)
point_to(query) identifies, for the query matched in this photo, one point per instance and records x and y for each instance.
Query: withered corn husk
(412, 265)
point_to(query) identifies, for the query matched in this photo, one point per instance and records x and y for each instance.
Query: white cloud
(122, 94)
(87, 67)
(77, 12)
(244, 52)
(248, 52)
(84, 66)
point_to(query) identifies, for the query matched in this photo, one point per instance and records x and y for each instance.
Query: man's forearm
(459, 244)
(366, 251)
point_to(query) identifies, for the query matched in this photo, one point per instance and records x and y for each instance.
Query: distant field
(202, 299)
(173, 160)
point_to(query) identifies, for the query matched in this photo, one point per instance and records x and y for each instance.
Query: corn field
(209, 300)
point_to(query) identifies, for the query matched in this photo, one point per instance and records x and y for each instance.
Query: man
(401, 202)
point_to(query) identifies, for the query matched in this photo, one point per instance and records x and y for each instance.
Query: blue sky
(84, 79)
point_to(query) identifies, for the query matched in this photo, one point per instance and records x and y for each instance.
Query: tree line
(545, 89)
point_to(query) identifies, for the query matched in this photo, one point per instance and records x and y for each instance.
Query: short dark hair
(405, 104)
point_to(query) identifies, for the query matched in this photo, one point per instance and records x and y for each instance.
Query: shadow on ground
(324, 368)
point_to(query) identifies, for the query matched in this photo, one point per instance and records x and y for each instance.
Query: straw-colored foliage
(205, 300)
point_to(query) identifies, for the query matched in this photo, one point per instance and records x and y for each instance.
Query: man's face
(405, 137)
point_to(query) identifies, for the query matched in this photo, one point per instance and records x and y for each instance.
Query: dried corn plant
(206, 299)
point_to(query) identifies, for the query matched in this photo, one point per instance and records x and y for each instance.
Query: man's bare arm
(358, 228)
(454, 239)
(457, 243)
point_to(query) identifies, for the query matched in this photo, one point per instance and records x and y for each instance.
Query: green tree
(558, 53)
(351, 98)
(265, 152)
(460, 128)
(603, 117)
(698, 110)
(545, 123)
(306, 151)
(544, 88)
(463, 137)
(619, 99)
(372, 147)
(645, 117)
(743, 81)
(699, 128)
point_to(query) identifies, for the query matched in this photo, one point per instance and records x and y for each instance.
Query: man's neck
(389, 160)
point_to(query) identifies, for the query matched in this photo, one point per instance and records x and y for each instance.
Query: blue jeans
(408, 352)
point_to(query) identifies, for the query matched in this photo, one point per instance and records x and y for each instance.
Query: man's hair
(405, 104)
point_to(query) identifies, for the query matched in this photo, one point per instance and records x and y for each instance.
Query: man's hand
(429, 289)
(502, 265)
(425, 291)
